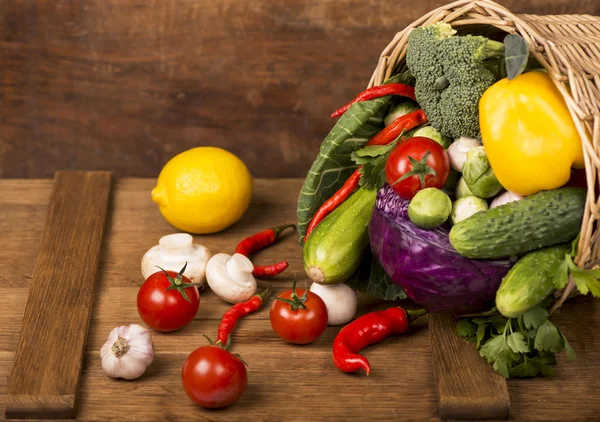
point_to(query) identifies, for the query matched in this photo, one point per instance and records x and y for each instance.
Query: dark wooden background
(124, 85)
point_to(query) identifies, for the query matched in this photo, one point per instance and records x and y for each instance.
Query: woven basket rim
(568, 47)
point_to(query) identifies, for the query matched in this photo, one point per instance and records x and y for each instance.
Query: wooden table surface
(285, 382)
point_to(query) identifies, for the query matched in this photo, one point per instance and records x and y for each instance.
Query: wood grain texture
(467, 386)
(125, 85)
(49, 354)
(286, 382)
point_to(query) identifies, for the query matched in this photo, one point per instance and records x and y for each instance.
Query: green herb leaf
(334, 165)
(525, 369)
(501, 365)
(481, 331)
(534, 318)
(466, 328)
(493, 348)
(586, 282)
(548, 339)
(372, 280)
(561, 276)
(571, 355)
(517, 342)
(516, 55)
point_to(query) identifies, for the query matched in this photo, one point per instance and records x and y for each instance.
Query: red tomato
(408, 160)
(167, 310)
(298, 319)
(213, 378)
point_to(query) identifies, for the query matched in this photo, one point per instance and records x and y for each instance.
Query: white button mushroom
(172, 252)
(230, 277)
(340, 301)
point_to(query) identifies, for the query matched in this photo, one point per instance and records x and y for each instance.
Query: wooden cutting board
(285, 382)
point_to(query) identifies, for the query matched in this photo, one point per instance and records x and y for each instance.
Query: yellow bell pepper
(529, 136)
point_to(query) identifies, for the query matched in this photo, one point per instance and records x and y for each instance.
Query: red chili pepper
(334, 201)
(238, 311)
(368, 329)
(377, 92)
(401, 124)
(387, 135)
(260, 241)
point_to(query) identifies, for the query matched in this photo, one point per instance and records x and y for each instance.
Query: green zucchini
(530, 281)
(544, 219)
(333, 251)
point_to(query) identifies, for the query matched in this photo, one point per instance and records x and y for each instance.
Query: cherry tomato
(415, 164)
(298, 319)
(168, 310)
(213, 377)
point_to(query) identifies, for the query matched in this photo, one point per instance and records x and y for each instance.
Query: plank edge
(26, 406)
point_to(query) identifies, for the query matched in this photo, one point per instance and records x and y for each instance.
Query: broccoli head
(451, 72)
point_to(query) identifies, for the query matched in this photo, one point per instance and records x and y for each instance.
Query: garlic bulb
(127, 352)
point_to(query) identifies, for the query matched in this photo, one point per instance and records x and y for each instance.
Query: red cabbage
(426, 266)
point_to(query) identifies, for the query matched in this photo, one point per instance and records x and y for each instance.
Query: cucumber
(544, 219)
(530, 281)
(333, 251)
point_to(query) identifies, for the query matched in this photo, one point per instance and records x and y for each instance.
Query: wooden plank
(286, 382)
(467, 386)
(49, 355)
(137, 81)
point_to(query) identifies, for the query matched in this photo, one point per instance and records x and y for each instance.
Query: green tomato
(462, 189)
(479, 175)
(429, 208)
(431, 133)
(465, 207)
(399, 110)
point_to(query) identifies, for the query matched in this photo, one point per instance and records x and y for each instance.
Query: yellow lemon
(203, 190)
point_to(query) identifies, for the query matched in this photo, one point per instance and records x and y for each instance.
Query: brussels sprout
(457, 152)
(479, 175)
(429, 208)
(465, 207)
(451, 182)
(462, 189)
(431, 133)
(399, 110)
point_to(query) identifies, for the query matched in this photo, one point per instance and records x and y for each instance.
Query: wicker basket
(568, 47)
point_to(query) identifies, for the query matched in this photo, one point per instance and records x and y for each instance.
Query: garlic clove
(128, 352)
(173, 252)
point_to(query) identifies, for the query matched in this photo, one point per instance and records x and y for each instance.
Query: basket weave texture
(568, 47)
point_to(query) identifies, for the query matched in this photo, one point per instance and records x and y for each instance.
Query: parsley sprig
(372, 159)
(517, 347)
(527, 346)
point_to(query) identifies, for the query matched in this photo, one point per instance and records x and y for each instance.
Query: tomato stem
(419, 169)
(177, 282)
(297, 302)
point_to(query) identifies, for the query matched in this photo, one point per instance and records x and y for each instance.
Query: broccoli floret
(451, 72)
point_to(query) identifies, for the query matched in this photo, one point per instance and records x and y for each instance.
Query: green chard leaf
(334, 164)
(372, 280)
